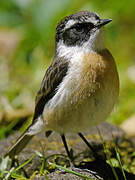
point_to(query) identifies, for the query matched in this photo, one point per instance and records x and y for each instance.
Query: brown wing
(53, 77)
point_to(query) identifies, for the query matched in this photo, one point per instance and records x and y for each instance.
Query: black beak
(103, 22)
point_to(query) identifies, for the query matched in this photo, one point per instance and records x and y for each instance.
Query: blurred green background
(27, 32)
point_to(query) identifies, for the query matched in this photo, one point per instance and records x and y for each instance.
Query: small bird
(80, 87)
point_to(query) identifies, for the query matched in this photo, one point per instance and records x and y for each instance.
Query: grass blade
(70, 171)
(120, 164)
(25, 163)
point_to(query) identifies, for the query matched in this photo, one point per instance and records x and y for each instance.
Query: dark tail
(20, 144)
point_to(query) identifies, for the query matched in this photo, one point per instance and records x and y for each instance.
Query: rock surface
(129, 126)
(53, 145)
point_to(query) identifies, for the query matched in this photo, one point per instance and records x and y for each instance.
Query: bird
(80, 87)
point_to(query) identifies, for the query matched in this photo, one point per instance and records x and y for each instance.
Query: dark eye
(79, 28)
(91, 26)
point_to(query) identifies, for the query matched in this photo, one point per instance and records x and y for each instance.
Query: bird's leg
(88, 144)
(71, 158)
(66, 148)
(94, 154)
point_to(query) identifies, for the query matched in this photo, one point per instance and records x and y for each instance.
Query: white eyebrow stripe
(70, 23)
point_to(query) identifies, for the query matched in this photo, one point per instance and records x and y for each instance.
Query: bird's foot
(81, 170)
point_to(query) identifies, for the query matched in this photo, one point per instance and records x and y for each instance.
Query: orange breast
(99, 70)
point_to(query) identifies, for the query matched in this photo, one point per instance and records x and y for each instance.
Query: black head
(77, 28)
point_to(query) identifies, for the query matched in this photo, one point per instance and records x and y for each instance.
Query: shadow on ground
(105, 171)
